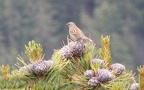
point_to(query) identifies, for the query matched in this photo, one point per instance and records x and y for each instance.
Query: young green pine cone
(88, 74)
(134, 86)
(41, 67)
(104, 75)
(95, 61)
(118, 68)
(93, 82)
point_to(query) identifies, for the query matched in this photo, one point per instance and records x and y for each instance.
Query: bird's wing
(80, 33)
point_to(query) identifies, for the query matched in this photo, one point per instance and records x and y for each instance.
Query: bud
(104, 75)
(95, 61)
(118, 68)
(41, 67)
(93, 82)
(49, 63)
(134, 86)
(25, 69)
(77, 48)
(66, 52)
(5, 70)
(73, 49)
(88, 74)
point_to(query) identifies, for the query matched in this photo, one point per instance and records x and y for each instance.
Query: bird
(76, 33)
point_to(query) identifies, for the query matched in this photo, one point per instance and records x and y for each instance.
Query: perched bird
(76, 33)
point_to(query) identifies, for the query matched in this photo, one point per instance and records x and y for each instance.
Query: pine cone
(49, 63)
(73, 49)
(88, 74)
(104, 75)
(101, 62)
(26, 69)
(66, 51)
(134, 86)
(93, 82)
(118, 68)
(77, 48)
(41, 67)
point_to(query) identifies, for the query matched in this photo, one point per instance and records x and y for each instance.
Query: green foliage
(10, 80)
(64, 73)
(74, 71)
(5, 70)
(104, 51)
(118, 82)
(21, 80)
(119, 19)
(34, 51)
(44, 20)
(141, 77)
(53, 75)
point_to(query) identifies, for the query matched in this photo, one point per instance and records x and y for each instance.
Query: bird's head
(70, 24)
